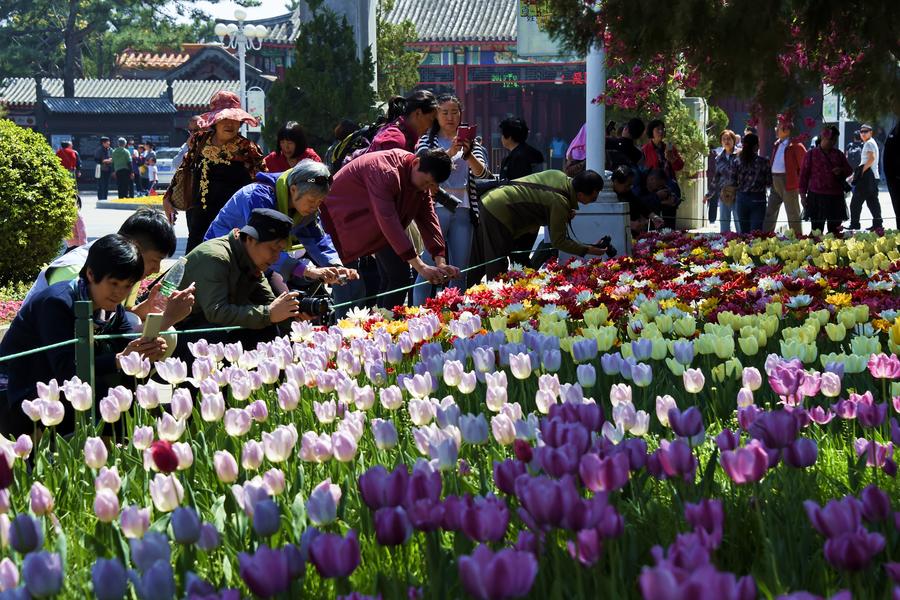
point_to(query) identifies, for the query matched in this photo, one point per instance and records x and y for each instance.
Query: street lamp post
(243, 37)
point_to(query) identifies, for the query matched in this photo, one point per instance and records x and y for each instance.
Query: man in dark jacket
(231, 288)
(103, 156)
(522, 158)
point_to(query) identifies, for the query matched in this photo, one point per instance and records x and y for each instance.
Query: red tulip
(164, 456)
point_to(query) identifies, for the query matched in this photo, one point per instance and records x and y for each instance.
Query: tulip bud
(385, 433)
(9, 575)
(135, 522)
(95, 454)
(25, 534)
(43, 575)
(23, 446)
(41, 499)
(266, 518)
(226, 466)
(209, 537)
(142, 437)
(164, 457)
(252, 455)
(109, 578)
(185, 525)
(106, 505)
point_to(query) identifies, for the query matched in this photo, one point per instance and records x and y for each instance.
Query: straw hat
(225, 105)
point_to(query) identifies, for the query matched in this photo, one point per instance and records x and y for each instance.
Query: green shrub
(37, 203)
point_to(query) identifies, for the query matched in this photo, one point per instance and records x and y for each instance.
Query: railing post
(84, 349)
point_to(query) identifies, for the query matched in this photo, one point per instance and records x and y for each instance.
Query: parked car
(164, 158)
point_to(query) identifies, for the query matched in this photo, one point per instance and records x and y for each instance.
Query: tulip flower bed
(713, 418)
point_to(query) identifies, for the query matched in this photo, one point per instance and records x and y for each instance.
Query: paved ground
(101, 221)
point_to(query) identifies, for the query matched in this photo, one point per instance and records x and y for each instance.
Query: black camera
(446, 199)
(316, 306)
(606, 242)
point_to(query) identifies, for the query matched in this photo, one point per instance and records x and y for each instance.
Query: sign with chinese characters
(256, 106)
(532, 38)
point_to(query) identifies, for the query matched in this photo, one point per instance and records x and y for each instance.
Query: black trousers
(498, 244)
(393, 273)
(198, 220)
(865, 191)
(123, 182)
(894, 190)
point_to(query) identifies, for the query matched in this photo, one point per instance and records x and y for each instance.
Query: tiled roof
(459, 20)
(118, 106)
(21, 91)
(151, 60)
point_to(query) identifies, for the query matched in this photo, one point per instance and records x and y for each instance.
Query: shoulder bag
(180, 193)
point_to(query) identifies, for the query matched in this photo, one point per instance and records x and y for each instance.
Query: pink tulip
(882, 366)
(212, 407)
(166, 492)
(41, 499)
(258, 411)
(135, 522)
(604, 474)
(252, 455)
(315, 447)
(182, 406)
(321, 507)
(274, 481)
(344, 446)
(185, 455)
(745, 465)
(142, 437)
(288, 396)
(693, 380)
(237, 422)
(109, 479)
(226, 466)
(751, 378)
(23, 446)
(9, 575)
(95, 454)
(279, 444)
(831, 384)
(106, 505)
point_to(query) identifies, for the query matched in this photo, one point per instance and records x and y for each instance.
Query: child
(113, 266)
(152, 175)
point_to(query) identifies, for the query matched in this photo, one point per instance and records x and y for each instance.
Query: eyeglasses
(321, 180)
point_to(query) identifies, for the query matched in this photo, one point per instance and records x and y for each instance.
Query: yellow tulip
(565, 343)
(498, 323)
(793, 349)
(723, 346)
(594, 317)
(649, 309)
(836, 332)
(862, 313)
(769, 323)
(660, 349)
(514, 335)
(664, 323)
(865, 345)
(685, 326)
(718, 373)
(676, 367)
(749, 345)
(774, 308)
(704, 343)
(856, 363)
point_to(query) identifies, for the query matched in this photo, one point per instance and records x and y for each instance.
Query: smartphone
(152, 325)
(467, 132)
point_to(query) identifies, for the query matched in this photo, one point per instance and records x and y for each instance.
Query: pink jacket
(371, 204)
(394, 135)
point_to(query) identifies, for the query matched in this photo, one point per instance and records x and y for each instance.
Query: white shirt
(778, 162)
(152, 171)
(870, 148)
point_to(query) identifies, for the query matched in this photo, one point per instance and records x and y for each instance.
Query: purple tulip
(587, 547)
(25, 534)
(686, 424)
(109, 578)
(266, 572)
(584, 350)
(506, 473)
(426, 515)
(745, 465)
(785, 379)
(506, 574)
(379, 488)
(876, 504)
(642, 374)
(642, 348)
(185, 525)
(591, 416)
(209, 537)
(485, 519)
(704, 583)
(156, 582)
(454, 507)
(747, 415)
(853, 551)
(708, 517)
(683, 352)
(546, 501)
(728, 439)
(604, 474)
(424, 484)
(335, 556)
(43, 574)
(392, 526)
(845, 409)
(150, 549)
(266, 518)
(551, 360)
(557, 462)
(776, 429)
(802, 453)
(676, 460)
(877, 454)
(611, 363)
(871, 415)
(882, 366)
(819, 415)
(837, 517)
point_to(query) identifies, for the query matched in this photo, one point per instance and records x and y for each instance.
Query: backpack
(341, 152)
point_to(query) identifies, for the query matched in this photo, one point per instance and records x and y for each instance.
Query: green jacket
(525, 210)
(230, 290)
(121, 159)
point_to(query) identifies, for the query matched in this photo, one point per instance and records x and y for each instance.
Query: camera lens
(315, 306)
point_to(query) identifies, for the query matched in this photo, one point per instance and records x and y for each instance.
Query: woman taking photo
(721, 196)
(469, 159)
(822, 178)
(292, 148)
(219, 163)
(751, 175)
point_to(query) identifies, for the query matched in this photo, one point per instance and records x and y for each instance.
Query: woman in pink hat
(220, 160)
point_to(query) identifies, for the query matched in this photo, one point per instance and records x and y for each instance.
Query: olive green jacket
(230, 289)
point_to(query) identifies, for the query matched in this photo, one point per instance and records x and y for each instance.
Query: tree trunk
(73, 50)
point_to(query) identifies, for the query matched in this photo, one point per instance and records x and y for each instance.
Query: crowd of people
(133, 167)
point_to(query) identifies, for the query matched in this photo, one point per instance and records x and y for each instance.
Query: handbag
(728, 195)
(180, 192)
(97, 171)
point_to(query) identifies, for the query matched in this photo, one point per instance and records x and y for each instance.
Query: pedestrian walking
(721, 196)
(823, 181)
(865, 182)
(121, 164)
(787, 158)
(751, 176)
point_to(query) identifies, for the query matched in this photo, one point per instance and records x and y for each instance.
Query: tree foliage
(77, 38)
(398, 67)
(771, 50)
(37, 203)
(326, 83)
